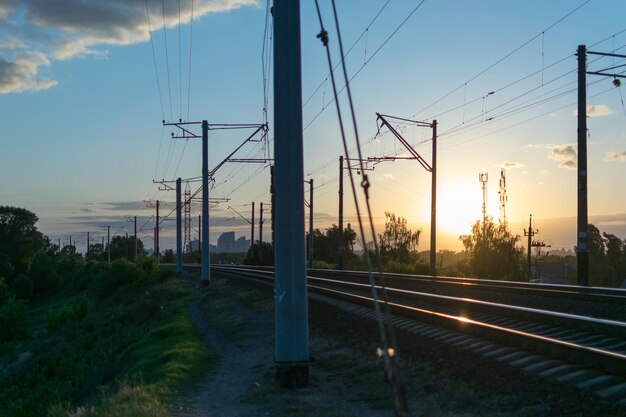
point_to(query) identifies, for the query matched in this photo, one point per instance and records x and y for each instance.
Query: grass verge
(123, 352)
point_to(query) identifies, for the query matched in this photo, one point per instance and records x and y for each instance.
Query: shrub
(22, 287)
(120, 273)
(78, 311)
(147, 265)
(418, 268)
(319, 264)
(41, 271)
(14, 320)
(4, 291)
(162, 274)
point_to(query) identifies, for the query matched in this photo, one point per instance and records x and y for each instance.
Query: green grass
(123, 353)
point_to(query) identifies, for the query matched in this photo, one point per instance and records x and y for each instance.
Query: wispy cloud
(386, 176)
(596, 110)
(562, 152)
(569, 164)
(615, 156)
(565, 154)
(510, 165)
(47, 30)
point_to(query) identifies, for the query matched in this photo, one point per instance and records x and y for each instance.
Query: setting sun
(459, 205)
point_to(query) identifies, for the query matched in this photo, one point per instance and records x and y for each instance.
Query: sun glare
(459, 205)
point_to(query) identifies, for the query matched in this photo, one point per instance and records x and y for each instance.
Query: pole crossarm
(187, 134)
(606, 54)
(606, 74)
(259, 128)
(250, 160)
(412, 151)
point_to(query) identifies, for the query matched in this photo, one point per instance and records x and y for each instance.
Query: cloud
(386, 176)
(569, 164)
(562, 152)
(510, 165)
(64, 29)
(22, 73)
(615, 156)
(127, 205)
(596, 110)
(544, 172)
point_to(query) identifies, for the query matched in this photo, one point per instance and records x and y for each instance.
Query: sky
(85, 86)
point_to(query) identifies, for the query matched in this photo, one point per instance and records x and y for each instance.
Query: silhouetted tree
(19, 240)
(169, 257)
(326, 245)
(615, 259)
(398, 242)
(260, 254)
(124, 247)
(493, 252)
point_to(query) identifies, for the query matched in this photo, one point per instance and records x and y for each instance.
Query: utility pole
(582, 248)
(530, 233)
(340, 255)
(200, 234)
(432, 168)
(108, 244)
(205, 271)
(252, 226)
(157, 248)
(310, 223)
(135, 238)
(209, 175)
(87, 256)
(179, 231)
(433, 205)
(291, 349)
(483, 178)
(260, 223)
(187, 217)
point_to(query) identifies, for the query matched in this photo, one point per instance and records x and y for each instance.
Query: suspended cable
(156, 71)
(190, 49)
(180, 67)
(501, 59)
(366, 62)
(167, 61)
(349, 50)
(386, 332)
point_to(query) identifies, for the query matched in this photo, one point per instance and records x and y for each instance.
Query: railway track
(588, 350)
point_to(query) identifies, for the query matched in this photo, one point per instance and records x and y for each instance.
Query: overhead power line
(499, 61)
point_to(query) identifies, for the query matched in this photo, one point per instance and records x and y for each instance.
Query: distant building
(227, 243)
(193, 246)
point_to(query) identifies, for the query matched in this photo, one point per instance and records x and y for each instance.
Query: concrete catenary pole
(135, 238)
(205, 203)
(291, 349)
(582, 249)
(157, 247)
(109, 244)
(252, 226)
(311, 223)
(179, 228)
(340, 255)
(260, 223)
(433, 206)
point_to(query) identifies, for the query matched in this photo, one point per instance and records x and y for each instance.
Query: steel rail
(611, 361)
